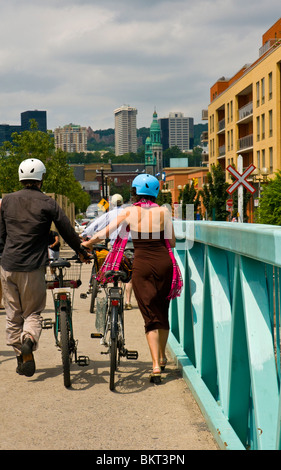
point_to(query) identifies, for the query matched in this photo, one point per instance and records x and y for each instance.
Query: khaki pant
(24, 297)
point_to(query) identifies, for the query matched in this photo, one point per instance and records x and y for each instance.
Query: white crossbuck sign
(241, 179)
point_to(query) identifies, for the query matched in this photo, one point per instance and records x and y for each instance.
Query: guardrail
(225, 329)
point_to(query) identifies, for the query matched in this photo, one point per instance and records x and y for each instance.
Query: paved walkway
(38, 413)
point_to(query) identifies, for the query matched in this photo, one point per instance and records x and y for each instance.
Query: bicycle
(67, 277)
(113, 336)
(93, 284)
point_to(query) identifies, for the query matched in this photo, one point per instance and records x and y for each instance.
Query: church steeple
(153, 148)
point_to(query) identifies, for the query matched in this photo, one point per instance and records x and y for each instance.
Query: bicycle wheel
(113, 346)
(94, 289)
(65, 347)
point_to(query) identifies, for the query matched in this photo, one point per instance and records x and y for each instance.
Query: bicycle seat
(116, 274)
(60, 263)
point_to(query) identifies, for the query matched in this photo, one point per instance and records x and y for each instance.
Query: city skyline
(80, 60)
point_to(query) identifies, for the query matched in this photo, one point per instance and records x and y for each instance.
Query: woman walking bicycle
(156, 277)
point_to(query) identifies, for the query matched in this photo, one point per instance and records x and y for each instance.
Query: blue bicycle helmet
(146, 185)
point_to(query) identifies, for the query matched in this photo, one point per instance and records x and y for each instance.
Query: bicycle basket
(71, 276)
(101, 255)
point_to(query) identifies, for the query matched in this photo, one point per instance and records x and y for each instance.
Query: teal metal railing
(225, 329)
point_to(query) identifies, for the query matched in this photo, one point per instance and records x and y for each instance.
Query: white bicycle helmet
(117, 200)
(31, 169)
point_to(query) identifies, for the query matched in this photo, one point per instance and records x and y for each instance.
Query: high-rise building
(39, 116)
(6, 130)
(244, 112)
(177, 131)
(125, 130)
(71, 138)
(245, 116)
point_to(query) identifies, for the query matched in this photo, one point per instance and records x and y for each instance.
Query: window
(262, 90)
(262, 126)
(270, 122)
(263, 157)
(258, 159)
(258, 93)
(270, 160)
(270, 86)
(258, 128)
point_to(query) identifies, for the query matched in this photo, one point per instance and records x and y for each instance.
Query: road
(39, 413)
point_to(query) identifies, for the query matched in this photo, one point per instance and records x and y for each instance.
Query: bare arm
(173, 239)
(106, 231)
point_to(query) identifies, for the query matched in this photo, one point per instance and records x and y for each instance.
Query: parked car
(92, 211)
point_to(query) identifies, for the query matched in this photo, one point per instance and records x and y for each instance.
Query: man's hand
(84, 256)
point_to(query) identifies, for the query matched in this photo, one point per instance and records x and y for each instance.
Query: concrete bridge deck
(38, 413)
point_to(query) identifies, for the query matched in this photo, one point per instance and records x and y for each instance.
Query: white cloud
(80, 59)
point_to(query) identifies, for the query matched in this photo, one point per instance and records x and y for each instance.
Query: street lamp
(260, 176)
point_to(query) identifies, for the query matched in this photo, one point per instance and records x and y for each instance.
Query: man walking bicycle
(25, 218)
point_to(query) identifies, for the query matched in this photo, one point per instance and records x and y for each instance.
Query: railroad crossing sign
(241, 178)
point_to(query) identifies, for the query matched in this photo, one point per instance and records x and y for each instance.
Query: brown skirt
(151, 280)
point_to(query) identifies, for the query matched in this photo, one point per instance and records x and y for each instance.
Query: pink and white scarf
(114, 257)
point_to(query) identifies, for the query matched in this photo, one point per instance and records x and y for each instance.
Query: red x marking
(241, 179)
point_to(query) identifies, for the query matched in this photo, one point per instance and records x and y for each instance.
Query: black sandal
(155, 376)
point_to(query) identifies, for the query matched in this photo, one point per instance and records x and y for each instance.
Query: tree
(189, 195)
(214, 193)
(59, 177)
(269, 210)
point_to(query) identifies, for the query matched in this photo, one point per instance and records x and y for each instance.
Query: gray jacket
(25, 222)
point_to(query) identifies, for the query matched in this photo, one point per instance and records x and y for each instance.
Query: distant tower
(125, 130)
(39, 116)
(153, 148)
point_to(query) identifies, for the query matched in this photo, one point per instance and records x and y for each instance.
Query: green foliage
(189, 195)
(164, 198)
(59, 177)
(269, 210)
(123, 189)
(214, 193)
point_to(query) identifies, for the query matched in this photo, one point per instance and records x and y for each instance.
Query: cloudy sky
(81, 59)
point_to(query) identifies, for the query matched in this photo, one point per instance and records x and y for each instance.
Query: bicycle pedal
(83, 296)
(132, 355)
(83, 361)
(47, 323)
(96, 335)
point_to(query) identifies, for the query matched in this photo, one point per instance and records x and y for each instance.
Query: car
(78, 227)
(92, 211)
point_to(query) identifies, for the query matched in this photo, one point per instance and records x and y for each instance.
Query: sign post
(240, 183)
(240, 190)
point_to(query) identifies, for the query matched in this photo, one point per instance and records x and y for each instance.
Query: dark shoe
(19, 367)
(155, 376)
(28, 363)
(163, 363)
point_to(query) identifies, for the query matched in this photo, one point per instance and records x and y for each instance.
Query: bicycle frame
(113, 336)
(63, 296)
(62, 301)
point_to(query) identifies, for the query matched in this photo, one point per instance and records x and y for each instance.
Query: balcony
(245, 143)
(221, 125)
(221, 151)
(245, 113)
